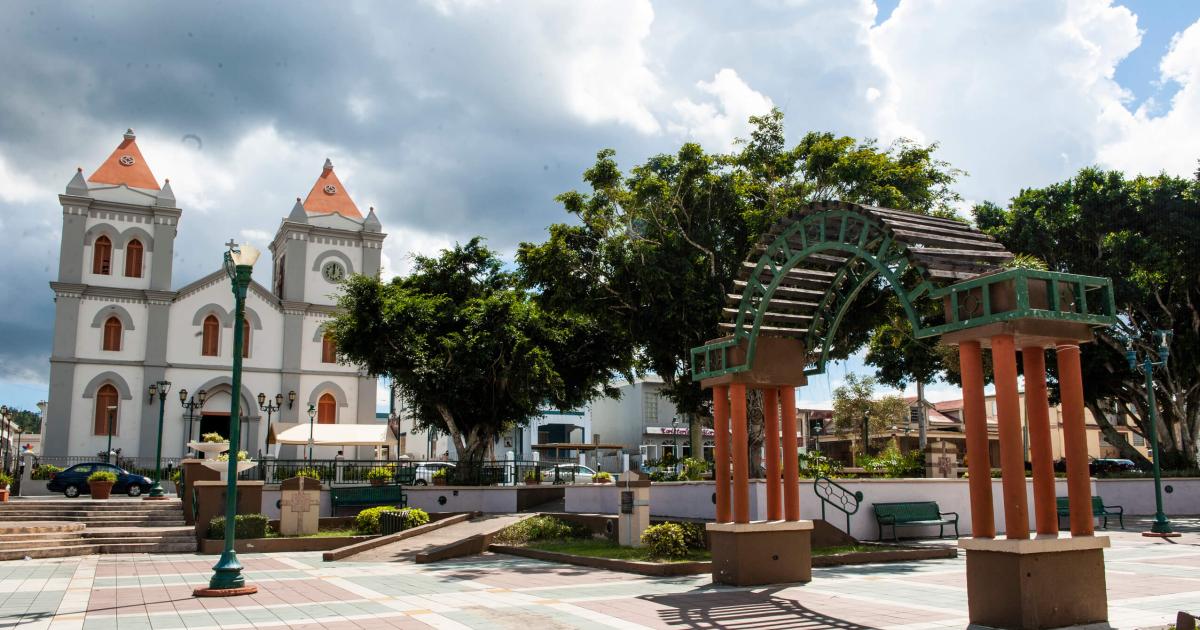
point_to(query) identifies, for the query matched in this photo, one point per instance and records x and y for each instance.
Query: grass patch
(829, 551)
(603, 548)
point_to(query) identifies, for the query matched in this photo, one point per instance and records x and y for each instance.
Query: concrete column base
(1043, 582)
(763, 552)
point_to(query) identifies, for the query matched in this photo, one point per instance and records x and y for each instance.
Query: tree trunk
(696, 435)
(1112, 436)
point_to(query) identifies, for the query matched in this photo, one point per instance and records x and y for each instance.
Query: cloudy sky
(461, 117)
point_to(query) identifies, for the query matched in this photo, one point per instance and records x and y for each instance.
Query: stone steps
(61, 528)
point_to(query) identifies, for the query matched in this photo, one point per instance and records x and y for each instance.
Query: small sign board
(627, 502)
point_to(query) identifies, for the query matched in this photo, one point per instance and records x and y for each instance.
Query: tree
(856, 410)
(1144, 234)
(471, 351)
(655, 250)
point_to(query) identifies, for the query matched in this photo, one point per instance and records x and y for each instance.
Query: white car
(569, 473)
(425, 470)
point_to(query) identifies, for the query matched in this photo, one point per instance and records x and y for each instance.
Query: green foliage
(241, 456)
(537, 528)
(666, 540)
(470, 348)
(694, 535)
(601, 477)
(102, 475)
(533, 475)
(854, 401)
(379, 472)
(6, 479)
(693, 469)
(1143, 233)
(1025, 261)
(212, 437)
(246, 526)
(892, 463)
(176, 475)
(440, 473)
(310, 473)
(815, 464)
(367, 521)
(25, 421)
(43, 471)
(651, 253)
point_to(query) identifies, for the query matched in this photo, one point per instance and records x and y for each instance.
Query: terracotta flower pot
(439, 481)
(533, 482)
(377, 482)
(101, 489)
(602, 481)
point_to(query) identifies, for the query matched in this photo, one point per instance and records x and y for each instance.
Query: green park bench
(367, 496)
(913, 514)
(1099, 510)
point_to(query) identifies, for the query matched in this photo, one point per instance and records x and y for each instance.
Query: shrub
(602, 477)
(6, 479)
(533, 475)
(311, 473)
(245, 526)
(440, 473)
(379, 472)
(694, 535)
(666, 540)
(367, 521)
(893, 464)
(815, 464)
(102, 476)
(44, 471)
(241, 456)
(693, 469)
(538, 528)
(212, 437)
(176, 475)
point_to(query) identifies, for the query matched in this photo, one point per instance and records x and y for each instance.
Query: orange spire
(328, 195)
(126, 166)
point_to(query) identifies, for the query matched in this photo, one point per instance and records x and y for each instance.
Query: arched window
(326, 409)
(102, 256)
(245, 338)
(106, 410)
(112, 334)
(210, 337)
(328, 349)
(133, 259)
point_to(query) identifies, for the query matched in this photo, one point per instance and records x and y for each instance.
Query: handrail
(829, 491)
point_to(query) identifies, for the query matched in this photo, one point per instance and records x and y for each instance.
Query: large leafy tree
(856, 410)
(472, 351)
(1144, 233)
(653, 251)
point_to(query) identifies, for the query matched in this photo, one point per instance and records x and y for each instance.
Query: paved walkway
(408, 548)
(1149, 580)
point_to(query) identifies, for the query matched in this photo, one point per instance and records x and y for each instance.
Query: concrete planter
(101, 489)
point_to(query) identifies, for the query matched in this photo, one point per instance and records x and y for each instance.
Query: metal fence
(137, 465)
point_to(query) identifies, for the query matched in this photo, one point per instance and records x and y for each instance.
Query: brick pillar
(790, 453)
(721, 450)
(771, 446)
(741, 453)
(979, 467)
(1079, 485)
(1037, 416)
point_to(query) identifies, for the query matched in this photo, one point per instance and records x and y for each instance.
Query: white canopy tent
(330, 434)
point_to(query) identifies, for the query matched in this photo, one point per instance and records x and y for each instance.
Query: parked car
(1110, 465)
(425, 470)
(568, 473)
(72, 482)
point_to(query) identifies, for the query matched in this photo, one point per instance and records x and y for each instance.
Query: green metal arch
(872, 244)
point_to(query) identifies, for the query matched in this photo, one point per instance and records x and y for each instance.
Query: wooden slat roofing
(942, 251)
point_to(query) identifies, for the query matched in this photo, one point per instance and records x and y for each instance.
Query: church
(120, 326)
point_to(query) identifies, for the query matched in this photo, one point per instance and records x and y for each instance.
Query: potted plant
(5, 479)
(221, 463)
(533, 477)
(101, 484)
(210, 444)
(308, 473)
(601, 477)
(177, 479)
(379, 475)
(439, 476)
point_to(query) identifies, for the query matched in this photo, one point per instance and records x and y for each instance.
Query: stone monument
(299, 506)
(634, 514)
(941, 460)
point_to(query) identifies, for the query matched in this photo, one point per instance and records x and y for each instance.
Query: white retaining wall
(1181, 495)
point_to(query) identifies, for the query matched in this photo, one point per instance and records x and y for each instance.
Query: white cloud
(716, 126)
(19, 187)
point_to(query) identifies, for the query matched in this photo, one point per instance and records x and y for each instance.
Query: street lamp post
(227, 576)
(1161, 526)
(112, 415)
(267, 406)
(191, 405)
(160, 390)
(312, 413)
(5, 419)
(675, 441)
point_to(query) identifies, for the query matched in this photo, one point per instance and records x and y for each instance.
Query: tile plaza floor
(1148, 582)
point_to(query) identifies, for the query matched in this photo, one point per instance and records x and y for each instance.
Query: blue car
(73, 481)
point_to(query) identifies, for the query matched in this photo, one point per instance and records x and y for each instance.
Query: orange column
(1079, 485)
(771, 446)
(791, 454)
(741, 451)
(979, 466)
(1037, 415)
(1008, 424)
(721, 450)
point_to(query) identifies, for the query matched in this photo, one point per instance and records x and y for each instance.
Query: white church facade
(120, 326)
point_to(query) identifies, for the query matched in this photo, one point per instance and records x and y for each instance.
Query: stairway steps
(41, 542)
(48, 552)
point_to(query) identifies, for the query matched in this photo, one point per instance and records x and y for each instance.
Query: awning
(330, 434)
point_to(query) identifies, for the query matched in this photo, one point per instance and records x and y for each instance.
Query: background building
(119, 325)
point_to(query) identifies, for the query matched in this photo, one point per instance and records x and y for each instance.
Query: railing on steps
(837, 496)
